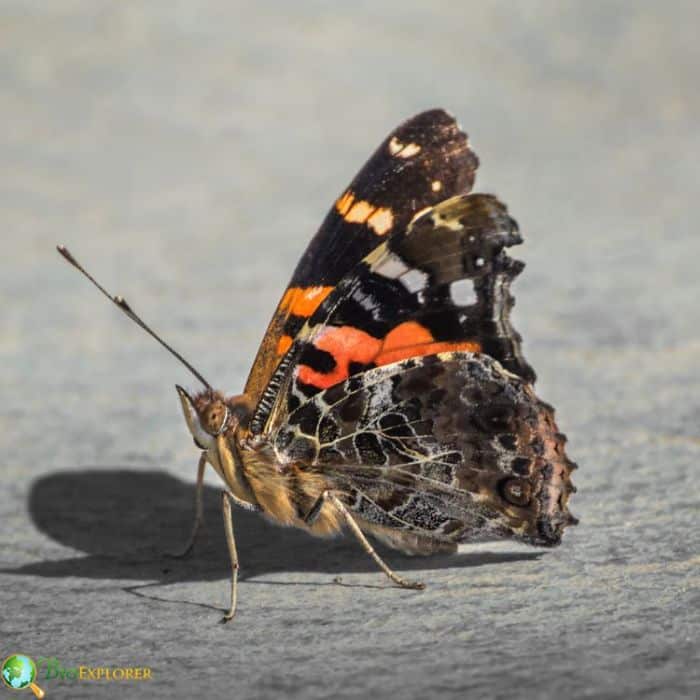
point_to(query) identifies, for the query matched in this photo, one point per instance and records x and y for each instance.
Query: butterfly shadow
(126, 521)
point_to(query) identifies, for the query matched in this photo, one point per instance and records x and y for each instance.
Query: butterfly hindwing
(447, 447)
(422, 162)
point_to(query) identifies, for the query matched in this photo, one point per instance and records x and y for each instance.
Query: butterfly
(390, 395)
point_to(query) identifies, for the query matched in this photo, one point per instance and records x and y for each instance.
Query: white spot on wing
(381, 221)
(410, 150)
(403, 150)
(462, 293)
(414, 280)
(393, 267)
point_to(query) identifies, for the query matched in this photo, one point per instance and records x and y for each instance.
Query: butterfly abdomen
(287, 493)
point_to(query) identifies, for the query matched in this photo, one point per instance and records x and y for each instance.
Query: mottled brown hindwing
(449, 446)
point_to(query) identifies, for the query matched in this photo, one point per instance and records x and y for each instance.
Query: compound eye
(215, 417)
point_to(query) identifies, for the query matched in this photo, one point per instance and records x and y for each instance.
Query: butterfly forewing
(422, 162)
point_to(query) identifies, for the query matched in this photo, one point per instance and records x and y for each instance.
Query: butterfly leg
(245, 505)
(226, 499)
(199, 509)
(352, 524)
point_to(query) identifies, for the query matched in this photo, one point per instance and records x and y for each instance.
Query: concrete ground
(186, 152)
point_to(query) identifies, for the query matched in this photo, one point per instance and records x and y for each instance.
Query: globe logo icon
(19, 672)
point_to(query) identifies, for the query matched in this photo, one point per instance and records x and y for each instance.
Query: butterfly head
(209, 414)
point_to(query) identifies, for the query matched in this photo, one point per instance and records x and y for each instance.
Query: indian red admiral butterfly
(390, 393)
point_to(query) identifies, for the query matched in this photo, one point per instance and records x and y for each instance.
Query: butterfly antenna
(124, 306)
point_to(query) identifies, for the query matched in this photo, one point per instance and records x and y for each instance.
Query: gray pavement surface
(186, 152)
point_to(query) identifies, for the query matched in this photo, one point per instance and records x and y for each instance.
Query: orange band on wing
(359, 211)
(283, 344)
(347, 344)
(303, 301)
(410, 339)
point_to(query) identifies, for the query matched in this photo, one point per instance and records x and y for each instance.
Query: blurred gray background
(186, 152)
